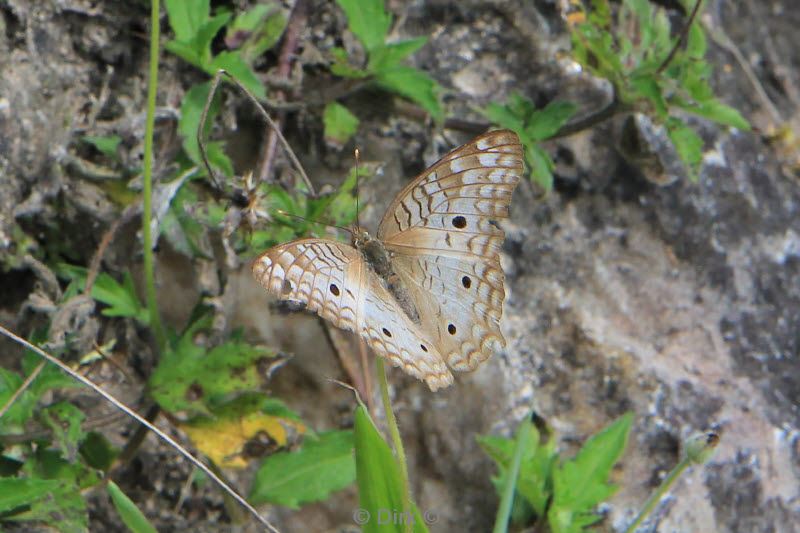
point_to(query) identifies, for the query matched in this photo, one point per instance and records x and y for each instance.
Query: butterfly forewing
(445, 244)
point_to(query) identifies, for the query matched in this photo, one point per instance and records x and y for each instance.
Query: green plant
(565, 492)
(370, 23)
(632, 46)
(653, 72)
(533, 126)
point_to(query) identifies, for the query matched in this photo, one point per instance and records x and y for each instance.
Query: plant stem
(507, 498)
(397, 443)
(147, 200)
(659, 493)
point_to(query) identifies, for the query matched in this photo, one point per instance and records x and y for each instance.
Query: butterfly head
(361, 237)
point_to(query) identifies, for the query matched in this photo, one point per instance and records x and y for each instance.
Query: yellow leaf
(231, 442)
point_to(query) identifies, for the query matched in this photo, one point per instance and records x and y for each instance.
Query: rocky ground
(680, 302)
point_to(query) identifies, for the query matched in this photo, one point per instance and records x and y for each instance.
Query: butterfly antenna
(357, 154)
(284, 213)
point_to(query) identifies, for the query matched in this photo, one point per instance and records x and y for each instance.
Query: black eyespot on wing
(287, 286)
(424, 349)
(466, 282)
(335, 289)
(451, 329)
(387, 332)
(460, 222)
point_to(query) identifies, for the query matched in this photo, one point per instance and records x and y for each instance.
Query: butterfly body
(426, 292)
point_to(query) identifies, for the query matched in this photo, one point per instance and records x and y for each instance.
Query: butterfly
(427, 291)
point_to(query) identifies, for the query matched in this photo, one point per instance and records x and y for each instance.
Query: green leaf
(504, 116)
(56, 502)
(341, 66)
(107, 145)
(182, 227)
(18, 493)
(581, 484)
(97, 451)
(387, 56)
(368, 20)
(720, 113)
(131, 516)
(687, 143)
(260, 26)
(190, 377)
(120, 299)
(527, 438)
(647, 87)
(696, 42)
(310, 474)
(541, 165)
(186, 52)
(64, 420)
(22, 409)
(546, 122)
(414, 85)
(380, 488)
(186, 17)
(201, 42)
(238, 68)
(534, 484)
(340, 123)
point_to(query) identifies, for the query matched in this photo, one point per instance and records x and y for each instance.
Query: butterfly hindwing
(333, 280)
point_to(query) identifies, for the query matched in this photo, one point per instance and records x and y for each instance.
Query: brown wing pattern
(333, 280)
(445, 244)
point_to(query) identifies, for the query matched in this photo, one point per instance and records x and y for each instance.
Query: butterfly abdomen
(380, 262)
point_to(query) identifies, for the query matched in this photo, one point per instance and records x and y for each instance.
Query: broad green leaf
(581, 483)
(186, 17)
(51, 501)
(191, 111)
(256, 30)
(22, 409)
(194, 378)
(387, 56)
(18, 492)
(64, 420)
(183, 228)
(130, 514)
(341, 66)
(238, 68)
(696, 42)
(646, 86)
(120, 299)
(534, 481)
(414, 85)
(97, 451)
(541, 165)
(546, 122)
(107, 145)
(201, 42)
(687, 143)
(504, 116)
(380, 487)
(720, 113)
(186, 52)
(527, 438)
(310, 474)
(368, 20)
(340, 123)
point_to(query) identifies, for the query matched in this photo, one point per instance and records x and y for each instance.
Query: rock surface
(680, 303)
